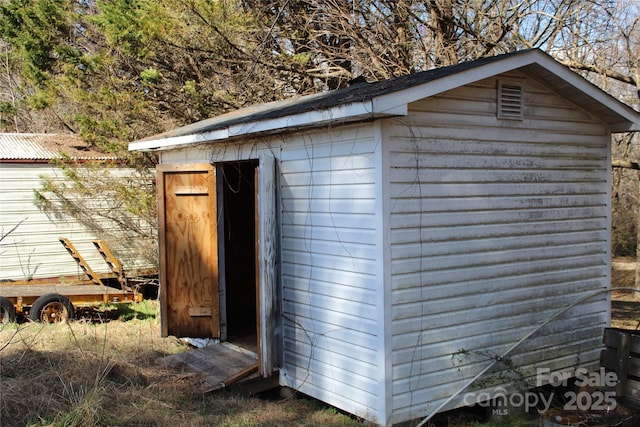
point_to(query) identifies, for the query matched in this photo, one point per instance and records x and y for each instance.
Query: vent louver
(510, 101)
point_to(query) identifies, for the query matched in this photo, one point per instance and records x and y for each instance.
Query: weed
(87, 373)
(505, 372)
(146, 309)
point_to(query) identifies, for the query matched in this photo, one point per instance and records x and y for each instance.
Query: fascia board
(598, 95)
(630, 119)
(338, 113)
(625, 127)
(443, 84)
(178, 141)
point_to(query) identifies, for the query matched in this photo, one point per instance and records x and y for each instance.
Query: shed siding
(33, 249)
(494, 226)
(330, 274)
(328, 184)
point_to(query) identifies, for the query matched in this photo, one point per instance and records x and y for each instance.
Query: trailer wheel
(7, 311)
(51, 308)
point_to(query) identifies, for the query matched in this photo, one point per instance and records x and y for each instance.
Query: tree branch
(625, 164)
(593, 69)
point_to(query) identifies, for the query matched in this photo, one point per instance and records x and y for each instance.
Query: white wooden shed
(367, 237)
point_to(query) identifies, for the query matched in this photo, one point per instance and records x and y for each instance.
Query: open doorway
(237, 227)
(213, 221)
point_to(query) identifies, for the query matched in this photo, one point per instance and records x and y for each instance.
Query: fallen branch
(625, 164)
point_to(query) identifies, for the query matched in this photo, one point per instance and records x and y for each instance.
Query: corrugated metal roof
(44, 147)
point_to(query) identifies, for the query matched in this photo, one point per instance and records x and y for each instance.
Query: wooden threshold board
(219, 364)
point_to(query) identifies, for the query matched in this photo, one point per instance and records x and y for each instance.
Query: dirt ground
(625, 305)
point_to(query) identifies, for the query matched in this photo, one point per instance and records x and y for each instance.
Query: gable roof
(45, 147)
(391, 97)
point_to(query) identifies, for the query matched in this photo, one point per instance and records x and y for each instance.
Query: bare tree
(117, 71)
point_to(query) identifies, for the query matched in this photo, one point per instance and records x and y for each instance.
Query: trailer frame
(56, 298)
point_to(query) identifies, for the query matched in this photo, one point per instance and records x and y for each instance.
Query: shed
(379, 243)
(30, 248)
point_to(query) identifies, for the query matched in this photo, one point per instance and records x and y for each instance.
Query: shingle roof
(43, 147)
(300, 104)
(390, 97)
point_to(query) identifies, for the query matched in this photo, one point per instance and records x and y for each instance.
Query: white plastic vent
(510, 101)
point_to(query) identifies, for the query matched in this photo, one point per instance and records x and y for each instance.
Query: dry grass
(108, 374)
(99, 373)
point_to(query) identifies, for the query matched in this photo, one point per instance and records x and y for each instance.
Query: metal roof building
(32, 249)
(43, 147)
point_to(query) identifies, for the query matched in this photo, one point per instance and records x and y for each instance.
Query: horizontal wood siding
(494, 226)
(330, 278)
(33, 249)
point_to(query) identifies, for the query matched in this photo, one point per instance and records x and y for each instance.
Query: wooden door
(267, 266)
(188, 251)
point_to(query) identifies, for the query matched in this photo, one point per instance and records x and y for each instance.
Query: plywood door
(267, 269)
(188, 251)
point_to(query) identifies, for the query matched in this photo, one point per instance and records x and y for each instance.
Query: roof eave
(622, 118)
(617, 115)
(625, 127)
(355, 111)
(165, 143)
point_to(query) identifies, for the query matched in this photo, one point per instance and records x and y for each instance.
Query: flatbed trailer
(54, 300)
